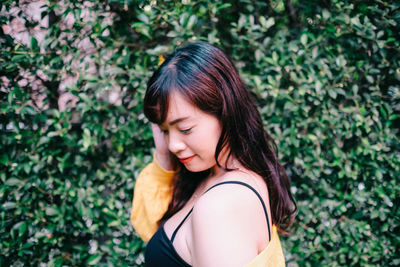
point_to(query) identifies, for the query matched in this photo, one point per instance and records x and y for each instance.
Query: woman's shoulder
(230, 212)
(234, 188)
(235, 192)
(245, 177)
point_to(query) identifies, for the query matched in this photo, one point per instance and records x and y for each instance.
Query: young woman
(215, 194)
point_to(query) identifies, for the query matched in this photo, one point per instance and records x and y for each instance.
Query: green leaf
(94, 259)
(51, 211)
(9, 205)
(332, 93)
(22, 228)
(266, 24)
(114, 223)
(34, 44)
(304, 39)
(241, 22)
(192, 21)
(13, 182)
(144, 18)
(4, 159)
(18, 58)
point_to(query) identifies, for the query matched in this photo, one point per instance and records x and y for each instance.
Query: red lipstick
(186, 160)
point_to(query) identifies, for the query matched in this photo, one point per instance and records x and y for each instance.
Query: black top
(160, 250)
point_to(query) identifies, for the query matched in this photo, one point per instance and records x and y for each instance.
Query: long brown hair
(208, 79)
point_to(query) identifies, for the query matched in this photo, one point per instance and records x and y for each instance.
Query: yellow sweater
(152, 195)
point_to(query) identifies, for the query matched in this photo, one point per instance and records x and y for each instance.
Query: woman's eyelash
(185, 131)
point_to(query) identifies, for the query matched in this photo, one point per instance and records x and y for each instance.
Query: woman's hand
(163, 155)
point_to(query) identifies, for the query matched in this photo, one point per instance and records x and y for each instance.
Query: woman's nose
(175, 144)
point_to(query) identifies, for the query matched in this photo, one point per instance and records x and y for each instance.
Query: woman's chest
(178, 229)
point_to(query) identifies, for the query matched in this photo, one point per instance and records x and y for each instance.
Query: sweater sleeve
(152, 195)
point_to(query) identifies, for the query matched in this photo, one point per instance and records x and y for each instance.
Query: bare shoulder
(231, 192)
(252, 179)
(228, 217)
(234, 198)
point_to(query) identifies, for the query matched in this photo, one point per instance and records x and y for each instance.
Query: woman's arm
(227, 224)
(153, 190)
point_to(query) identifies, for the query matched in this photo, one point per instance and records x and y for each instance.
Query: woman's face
(191, 134)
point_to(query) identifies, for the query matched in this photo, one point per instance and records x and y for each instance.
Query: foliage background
(326, 76)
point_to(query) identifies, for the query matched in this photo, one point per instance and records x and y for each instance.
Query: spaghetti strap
(227, 182)
(258, 195)
(179, 226)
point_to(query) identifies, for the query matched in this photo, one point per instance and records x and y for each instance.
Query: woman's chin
(197, 168)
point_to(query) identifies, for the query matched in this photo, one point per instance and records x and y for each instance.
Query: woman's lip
(186, 160)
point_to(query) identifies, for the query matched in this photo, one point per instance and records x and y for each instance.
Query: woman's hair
(207, 78)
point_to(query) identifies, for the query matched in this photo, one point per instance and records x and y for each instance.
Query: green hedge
(326, 76)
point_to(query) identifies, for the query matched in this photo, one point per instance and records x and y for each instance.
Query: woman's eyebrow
(177, 120)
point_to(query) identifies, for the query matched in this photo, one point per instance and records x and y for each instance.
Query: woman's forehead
(180, 109)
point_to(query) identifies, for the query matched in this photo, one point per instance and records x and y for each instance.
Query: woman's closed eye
(185, 131)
